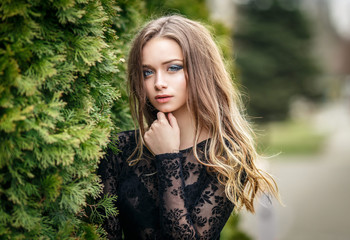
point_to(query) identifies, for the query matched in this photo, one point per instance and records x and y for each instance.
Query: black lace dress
(167, 196)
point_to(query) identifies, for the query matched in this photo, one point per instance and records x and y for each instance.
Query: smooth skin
(162, 61)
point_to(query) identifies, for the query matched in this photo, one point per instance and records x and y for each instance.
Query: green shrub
(59, 61)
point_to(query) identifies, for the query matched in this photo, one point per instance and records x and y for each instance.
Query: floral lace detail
(169, 196)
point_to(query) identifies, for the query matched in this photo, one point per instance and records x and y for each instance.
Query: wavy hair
(214, 103)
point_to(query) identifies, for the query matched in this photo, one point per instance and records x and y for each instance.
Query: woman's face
(163, 75)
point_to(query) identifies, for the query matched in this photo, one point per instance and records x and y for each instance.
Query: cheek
(147, 88)
(183, 85)
(180, 82)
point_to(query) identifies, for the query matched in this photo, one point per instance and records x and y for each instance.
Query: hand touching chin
(163, 136)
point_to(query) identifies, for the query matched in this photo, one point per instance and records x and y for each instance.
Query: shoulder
(124, 144)
(126, 138)
(117, 151)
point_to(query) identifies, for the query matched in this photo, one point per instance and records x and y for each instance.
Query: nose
(160, 81)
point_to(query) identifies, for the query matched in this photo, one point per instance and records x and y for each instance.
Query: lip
(163, 98)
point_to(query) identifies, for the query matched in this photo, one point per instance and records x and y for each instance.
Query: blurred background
(292, 59)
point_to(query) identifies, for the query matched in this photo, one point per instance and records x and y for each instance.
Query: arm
(211, 207)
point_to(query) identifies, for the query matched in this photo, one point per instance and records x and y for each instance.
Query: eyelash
(147, 73)
(172, 68)
(175, 68)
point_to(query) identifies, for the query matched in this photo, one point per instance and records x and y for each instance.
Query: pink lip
(163, 98)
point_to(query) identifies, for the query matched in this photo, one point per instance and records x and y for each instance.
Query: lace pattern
(169, 196)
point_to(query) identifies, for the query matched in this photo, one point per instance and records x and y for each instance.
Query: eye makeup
(175, 68)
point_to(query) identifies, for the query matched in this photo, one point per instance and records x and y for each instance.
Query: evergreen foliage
(130, 16)
(273, 44)
(59, 64)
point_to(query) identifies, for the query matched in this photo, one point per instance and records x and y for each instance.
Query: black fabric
(169, 196)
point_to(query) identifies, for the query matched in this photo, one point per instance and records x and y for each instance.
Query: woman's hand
(163, 136)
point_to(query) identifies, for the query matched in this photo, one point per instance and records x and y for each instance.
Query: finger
(172, 120)
(161, 117)
(145, 137)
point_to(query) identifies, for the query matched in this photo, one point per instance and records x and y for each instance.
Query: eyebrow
(166, 62)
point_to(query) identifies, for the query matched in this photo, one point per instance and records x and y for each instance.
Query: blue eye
(175, 68)
(147, 73)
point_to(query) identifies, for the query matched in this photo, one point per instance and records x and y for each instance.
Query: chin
(165, 110)
(168, 108)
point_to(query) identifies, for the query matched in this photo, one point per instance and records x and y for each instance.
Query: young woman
(191, 161)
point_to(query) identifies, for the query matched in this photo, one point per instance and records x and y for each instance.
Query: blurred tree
(194, 9)
(273, 45)
(59, 61)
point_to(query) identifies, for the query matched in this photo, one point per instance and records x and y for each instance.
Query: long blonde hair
(214, 103)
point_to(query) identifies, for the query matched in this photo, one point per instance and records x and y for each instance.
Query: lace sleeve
(197, 217)
(109, 170)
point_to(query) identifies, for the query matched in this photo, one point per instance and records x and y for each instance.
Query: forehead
(160, 49)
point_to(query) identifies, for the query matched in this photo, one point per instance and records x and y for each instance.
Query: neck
(187, 128)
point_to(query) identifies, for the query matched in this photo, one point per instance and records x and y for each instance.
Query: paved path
(315, 189)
